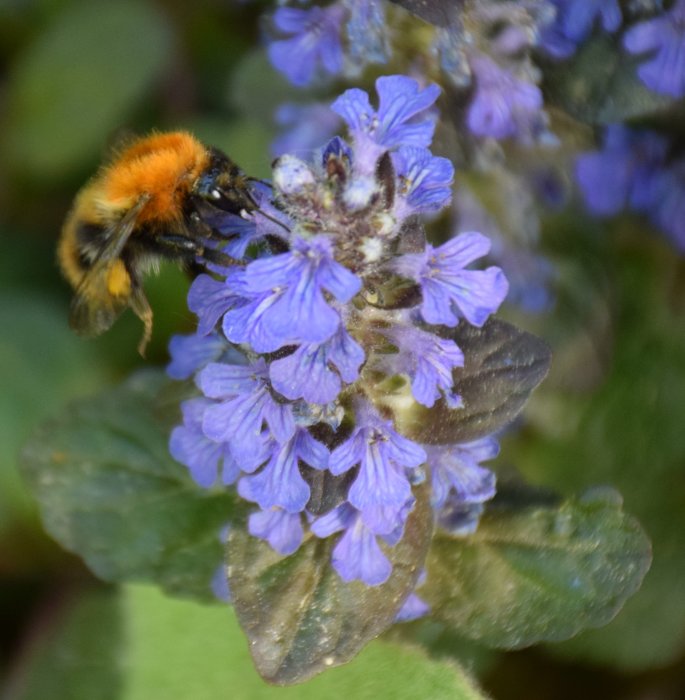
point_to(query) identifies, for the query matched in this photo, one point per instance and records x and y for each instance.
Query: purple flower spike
(189, 445)
(664, 37)
(456, 469)
(308, 372)
(503, 106)
(314, 42)
(394, 124)
(384, 457)
(357, 555)
(282, 530)
(426, 181)
(446, 284)
(280, 482)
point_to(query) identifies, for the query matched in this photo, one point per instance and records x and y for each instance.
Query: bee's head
(224, 185)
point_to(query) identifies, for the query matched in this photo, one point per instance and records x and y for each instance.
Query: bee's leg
(177, 246)
(142, 309)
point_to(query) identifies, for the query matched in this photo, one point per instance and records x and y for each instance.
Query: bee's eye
(206, 187)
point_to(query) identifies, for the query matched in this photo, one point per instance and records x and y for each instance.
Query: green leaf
(109, 490)
(542, 572)
(629, 433)
(502, 367)
(600, 85)
(78, 82)
(141, 645)
(42, 364)
(184, 650)
(298, 614)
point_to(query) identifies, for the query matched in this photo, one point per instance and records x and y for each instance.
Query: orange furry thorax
(164, 166)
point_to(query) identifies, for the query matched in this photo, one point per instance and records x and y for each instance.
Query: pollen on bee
(118, 280)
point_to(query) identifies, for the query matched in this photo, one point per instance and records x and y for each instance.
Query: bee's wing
(94, 308)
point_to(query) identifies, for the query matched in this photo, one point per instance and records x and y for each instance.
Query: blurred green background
(75, 75)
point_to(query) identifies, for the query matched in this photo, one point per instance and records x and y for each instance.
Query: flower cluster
(485, 51)
(660, 39)
(293, 345)
(635, 172)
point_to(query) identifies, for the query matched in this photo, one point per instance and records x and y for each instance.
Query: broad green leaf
(299, 615)
(600, 84)
(141, 645)
(79, 80)
(109, 490)
(183, 650)
(42, 364)
(542, 572)
(629, 433)
(502, 366)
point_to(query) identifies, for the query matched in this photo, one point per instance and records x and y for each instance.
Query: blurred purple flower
(314, 42)
(664, 38)
(503, 106)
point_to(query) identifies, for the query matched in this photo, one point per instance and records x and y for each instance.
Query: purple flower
(400, 101)
(246, 405)
(309, 372)
(190, 353)
(455, 469)
(664, 38)
(413, 607)
(445, 283)
(503, 106)
(279, 483)
(210, 299)
(623, 173)
(382, 488)
(574, 22)
(357, 555)
(425, 181)
(287, 305)
(190, 446)
(282, 530)
(314, 42)
(458, 518)
(429, 361)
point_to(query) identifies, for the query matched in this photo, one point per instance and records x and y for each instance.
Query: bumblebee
(146, 205)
